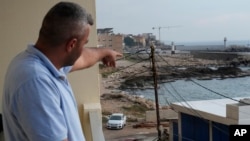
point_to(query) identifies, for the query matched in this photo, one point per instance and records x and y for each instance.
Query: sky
(180, 20)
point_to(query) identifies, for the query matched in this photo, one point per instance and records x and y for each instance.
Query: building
(207, 120)
(149, 37)
(19, 26)
(140, 40)
(107, 39)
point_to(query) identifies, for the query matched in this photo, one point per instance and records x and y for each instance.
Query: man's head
(63, 22)
(64, 31)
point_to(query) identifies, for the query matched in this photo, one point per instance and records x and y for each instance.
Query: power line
(211, 89)
(129, 66)
(137, 52)
(164, 86)
(195, 110)
(192, 110)
(131, 75)
(217, 92)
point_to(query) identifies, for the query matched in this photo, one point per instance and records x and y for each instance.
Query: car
(116, 121)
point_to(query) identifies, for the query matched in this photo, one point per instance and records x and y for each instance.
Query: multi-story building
(107, 39)
(140, 40)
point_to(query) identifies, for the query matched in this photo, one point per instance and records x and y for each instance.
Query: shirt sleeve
(37, 109)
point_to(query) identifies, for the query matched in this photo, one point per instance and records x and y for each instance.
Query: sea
(193, 90)
(186, 90)
(208, 45)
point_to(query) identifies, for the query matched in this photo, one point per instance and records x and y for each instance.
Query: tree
(129, 41)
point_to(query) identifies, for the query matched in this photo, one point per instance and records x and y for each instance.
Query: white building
(207, 120)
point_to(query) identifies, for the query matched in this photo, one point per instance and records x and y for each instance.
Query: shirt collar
(57, 73)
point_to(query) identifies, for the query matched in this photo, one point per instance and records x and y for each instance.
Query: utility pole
(156, 91)
(159, 30)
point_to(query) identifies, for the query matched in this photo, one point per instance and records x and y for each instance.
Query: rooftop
(214, 110)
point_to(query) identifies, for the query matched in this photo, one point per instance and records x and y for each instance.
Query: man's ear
(72, 43)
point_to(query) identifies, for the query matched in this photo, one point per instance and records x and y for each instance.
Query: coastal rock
(201, 73)
(127, 97)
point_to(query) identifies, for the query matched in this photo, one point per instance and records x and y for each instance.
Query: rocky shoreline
(132, 75)
(204, 73)
(114, 97)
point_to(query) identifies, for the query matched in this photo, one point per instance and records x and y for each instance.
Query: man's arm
(90, 56)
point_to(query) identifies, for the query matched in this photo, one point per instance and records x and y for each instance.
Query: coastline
(113, 99)
(138, 76)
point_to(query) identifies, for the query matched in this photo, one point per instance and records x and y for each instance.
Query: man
(38, 102)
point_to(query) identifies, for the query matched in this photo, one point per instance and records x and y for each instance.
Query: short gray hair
(64, 21)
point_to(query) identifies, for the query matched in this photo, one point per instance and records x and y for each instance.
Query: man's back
(38, 103)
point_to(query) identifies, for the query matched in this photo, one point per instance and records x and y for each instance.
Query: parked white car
(116, 121)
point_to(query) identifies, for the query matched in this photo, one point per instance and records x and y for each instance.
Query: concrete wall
(164, 114)
(239, 112)
(19, 25)
(226, 56)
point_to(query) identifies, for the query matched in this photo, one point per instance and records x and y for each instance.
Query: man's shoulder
(25, 67)
(26, 64)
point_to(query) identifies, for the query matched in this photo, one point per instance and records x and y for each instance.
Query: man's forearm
(90, 56)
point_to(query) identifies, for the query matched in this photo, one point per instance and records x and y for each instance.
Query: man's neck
(50, 53)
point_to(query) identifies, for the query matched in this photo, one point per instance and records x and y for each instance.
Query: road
(128, 133)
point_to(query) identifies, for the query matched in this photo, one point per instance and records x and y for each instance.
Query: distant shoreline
(215, 42)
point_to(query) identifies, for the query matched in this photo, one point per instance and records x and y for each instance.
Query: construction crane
(160, 27)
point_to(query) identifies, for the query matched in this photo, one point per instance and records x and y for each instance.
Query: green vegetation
(106, 71)
(106, 113)
(106, 74)
(104, 119)
(136, 58)
(136, 110)
(129, 41)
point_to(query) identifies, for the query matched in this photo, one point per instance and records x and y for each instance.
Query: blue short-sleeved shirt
(38, 102)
